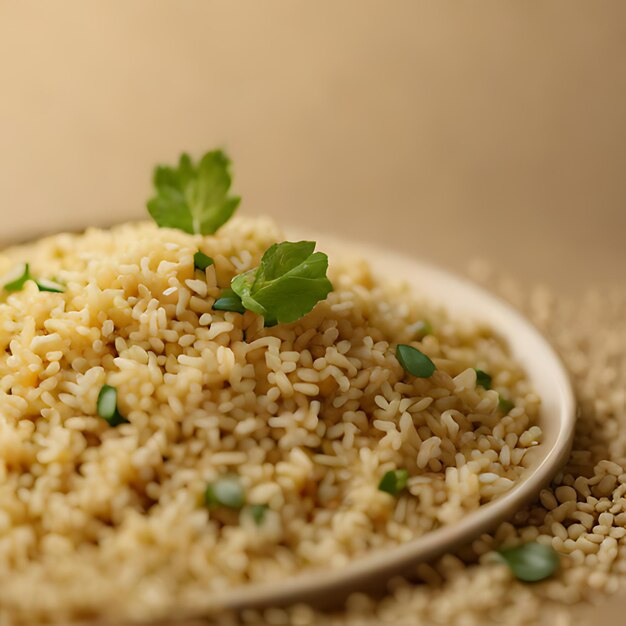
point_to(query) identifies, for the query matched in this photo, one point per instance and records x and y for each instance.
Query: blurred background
(446, 130)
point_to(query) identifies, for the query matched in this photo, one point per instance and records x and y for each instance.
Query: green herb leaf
(49, 285)
(107, 406)
(288, 283)
(257, 512)
(414, 362)
(226, 491)
(423, 328)
(229, 301)
(17, 278)
(394, 481)
(194, 198)
(21, 274)
(531, 562)
(483, 379)
(201, 261)
(505, 405)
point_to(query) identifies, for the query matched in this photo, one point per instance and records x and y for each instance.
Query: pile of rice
(103, 521)
(582, 514)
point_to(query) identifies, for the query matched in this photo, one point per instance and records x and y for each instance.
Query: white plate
(461, 298)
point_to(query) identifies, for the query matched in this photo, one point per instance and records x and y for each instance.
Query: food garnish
(415, 362)
(21, 274)
(194, 197)
(107, 406)
(394, 481)
(531, 562)
(226, 491)
(288, 283)
(483, 379)
(201, 261)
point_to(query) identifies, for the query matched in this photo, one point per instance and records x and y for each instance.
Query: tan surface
(499, 123)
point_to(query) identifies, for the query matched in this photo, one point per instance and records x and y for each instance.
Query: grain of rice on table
(105, 521)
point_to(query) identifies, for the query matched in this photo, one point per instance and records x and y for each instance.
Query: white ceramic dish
(544, 369)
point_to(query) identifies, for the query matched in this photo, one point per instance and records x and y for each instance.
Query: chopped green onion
(531, 562)
(201, 261)
(226, 491)
(483, 379)
(17, 278)
(229, 301)
(257, 512)
(394, 481)
(415, 362)
(21, 274)
(107, 406)
(49, 285)
(505, 405)
(423, 328)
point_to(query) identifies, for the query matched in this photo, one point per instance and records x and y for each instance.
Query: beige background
(447, 130)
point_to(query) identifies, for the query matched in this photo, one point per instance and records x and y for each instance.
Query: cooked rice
(102, 521)
(582, 514)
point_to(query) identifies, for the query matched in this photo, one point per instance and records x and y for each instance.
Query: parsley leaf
(225, 491)
(107, 406)
(18, 278)
(51, 286)
(201, 261)
(257, 513)
(394, 481)
(229, 301)
(194, 198)
(505, 405)
(483, 379)
(531, 562)
(21, 275)
(414, 362)
(288, 283)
